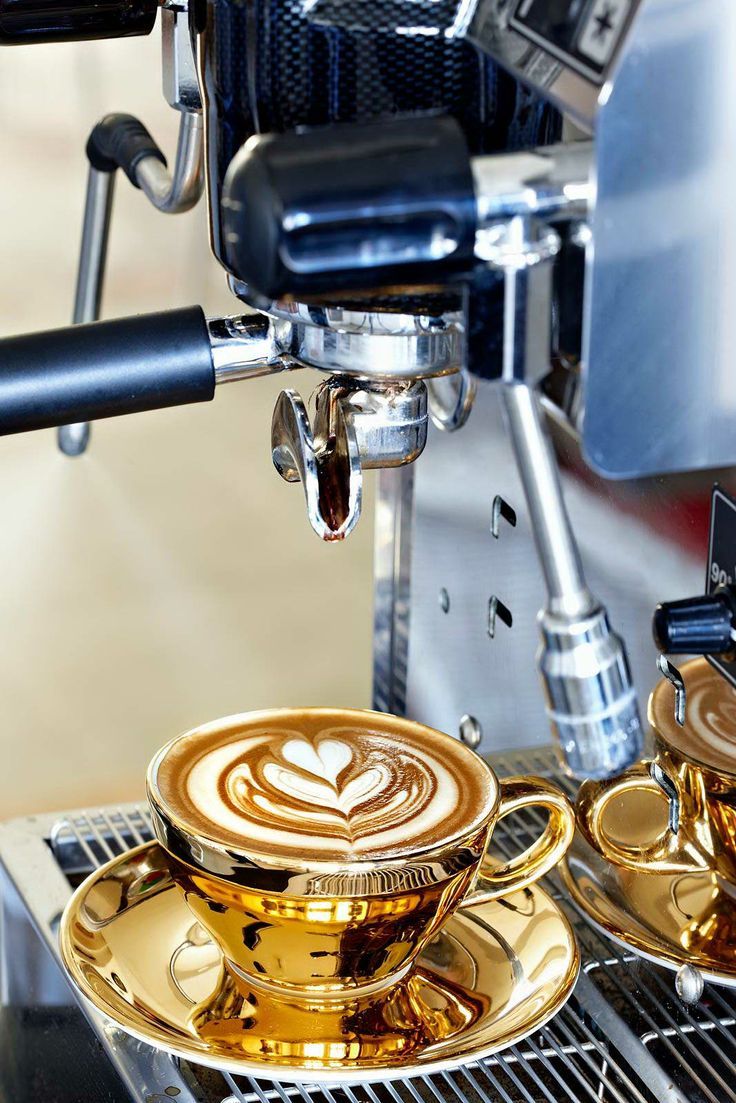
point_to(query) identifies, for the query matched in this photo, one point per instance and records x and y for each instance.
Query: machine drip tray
(624, 1037)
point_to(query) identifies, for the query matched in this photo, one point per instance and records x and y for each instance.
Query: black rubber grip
(88, 372)
(29, 21)
(120, 142)
(357, 206)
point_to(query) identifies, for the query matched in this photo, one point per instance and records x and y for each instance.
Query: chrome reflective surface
(591, 702)
(550, 182)
(179, 190)
(243, 348)
(452, 536)
(661, 327)
(450, 399)
(73, 439)
(179, 57)
(497, 973)
(576, 80)
(350, 319)
(371, 345)
(589, 693)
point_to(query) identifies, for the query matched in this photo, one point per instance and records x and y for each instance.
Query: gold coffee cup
(323, 848)
(693, 772)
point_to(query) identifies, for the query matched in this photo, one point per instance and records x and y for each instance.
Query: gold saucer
(496, 973)
(672, 919)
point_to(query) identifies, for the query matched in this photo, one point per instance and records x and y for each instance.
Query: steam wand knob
(702, 625)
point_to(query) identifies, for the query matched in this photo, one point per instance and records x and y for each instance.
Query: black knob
(702, 625)
(358, 206)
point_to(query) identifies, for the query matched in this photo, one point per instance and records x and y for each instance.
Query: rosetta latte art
(709, 733)
(331, 784)
(282, 788)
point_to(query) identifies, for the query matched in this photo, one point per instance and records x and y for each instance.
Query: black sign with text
(722, 558)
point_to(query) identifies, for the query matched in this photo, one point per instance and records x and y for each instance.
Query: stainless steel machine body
(479, 529)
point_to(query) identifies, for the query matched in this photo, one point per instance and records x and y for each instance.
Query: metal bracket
(673, 675)
(179, 57)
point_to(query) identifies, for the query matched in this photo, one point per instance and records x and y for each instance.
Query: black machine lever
(88, 372)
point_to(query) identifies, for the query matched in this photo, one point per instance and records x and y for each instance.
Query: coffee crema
(335, 784)
(709, 733)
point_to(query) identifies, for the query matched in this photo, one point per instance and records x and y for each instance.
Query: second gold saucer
(496, 973)
(672, 919)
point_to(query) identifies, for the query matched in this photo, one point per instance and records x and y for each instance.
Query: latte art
(335, 791)
(709, 734)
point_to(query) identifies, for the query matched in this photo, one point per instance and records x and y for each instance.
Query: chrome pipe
(180, 190)
(73, 439)
(93, 252)
(552, 182)
(559, 558)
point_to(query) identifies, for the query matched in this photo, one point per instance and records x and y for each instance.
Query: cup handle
(543, 854)
(668, 853)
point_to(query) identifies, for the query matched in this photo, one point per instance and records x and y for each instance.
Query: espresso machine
(493, 239)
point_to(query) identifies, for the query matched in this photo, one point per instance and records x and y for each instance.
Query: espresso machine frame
(471, 540)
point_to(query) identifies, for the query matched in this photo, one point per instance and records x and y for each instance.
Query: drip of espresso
(332, 784)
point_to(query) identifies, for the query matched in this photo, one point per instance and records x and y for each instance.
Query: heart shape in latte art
(345, 792)
(338, 791)
(311, 775)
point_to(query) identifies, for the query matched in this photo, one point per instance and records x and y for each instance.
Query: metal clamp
(673, 675)
(356, 426)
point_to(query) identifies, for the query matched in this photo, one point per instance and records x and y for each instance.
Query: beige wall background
(169, 576)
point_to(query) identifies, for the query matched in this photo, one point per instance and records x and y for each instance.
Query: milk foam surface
(331, 783)
(709, 734)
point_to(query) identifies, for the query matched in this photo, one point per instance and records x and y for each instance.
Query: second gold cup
(692, 772)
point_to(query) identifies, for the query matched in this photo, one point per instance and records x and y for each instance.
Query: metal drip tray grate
(624, 1037)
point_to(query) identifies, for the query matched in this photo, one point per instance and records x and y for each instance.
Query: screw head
(689, 984)
(471, 731)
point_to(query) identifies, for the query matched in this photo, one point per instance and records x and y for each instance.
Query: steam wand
(591, 700)
(123, 142)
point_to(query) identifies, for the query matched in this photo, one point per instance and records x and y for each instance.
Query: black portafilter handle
(23, 22)
(357, 206)
(702, 625)
(89, 372)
